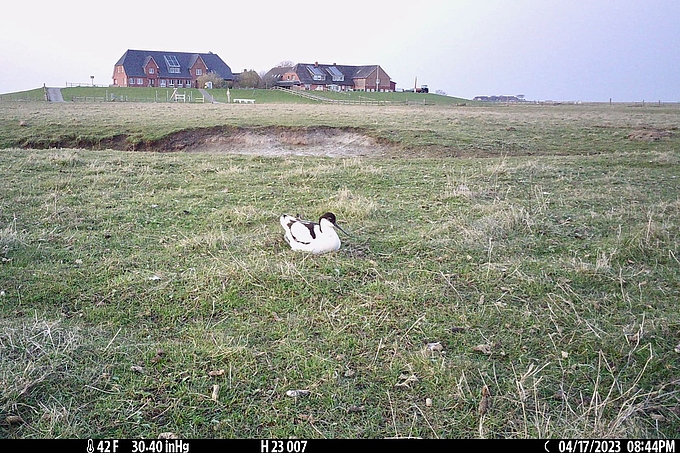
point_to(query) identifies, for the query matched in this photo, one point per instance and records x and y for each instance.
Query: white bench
(245, 101)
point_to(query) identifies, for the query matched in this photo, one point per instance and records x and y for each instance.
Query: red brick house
(145, 68)
(333, 77)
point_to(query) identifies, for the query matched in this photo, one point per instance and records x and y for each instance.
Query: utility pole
(377, 78)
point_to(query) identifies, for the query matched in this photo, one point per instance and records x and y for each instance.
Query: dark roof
(364, 71)
(134, 61)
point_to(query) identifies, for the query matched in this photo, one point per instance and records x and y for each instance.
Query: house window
(140, 81)
(132, 81)
(199, 72)
(163, 83)
(151, 70)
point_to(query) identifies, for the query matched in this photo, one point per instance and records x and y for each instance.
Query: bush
(217, 81)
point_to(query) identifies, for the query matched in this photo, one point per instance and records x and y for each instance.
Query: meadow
(511, 272)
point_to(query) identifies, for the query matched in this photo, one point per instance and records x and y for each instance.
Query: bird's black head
(329, 216)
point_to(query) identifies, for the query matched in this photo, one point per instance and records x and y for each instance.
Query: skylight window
(173, 64)
(336, 74)
(316, 72)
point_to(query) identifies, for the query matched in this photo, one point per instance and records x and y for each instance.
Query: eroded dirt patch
(265, 141)
(273, 141)
(649, 135)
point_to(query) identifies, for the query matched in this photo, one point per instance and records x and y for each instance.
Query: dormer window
(172, 63)
(336, 74)
(316, 73)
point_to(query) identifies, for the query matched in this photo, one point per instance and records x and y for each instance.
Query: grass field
(165, 95)
(512, 272)
(141, 94)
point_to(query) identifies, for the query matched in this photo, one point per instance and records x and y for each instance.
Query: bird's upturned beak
(340, 228)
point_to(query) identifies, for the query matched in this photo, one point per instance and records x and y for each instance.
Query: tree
(248, 79)
(264, 83)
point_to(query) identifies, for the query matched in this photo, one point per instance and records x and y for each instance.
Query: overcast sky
(590, 50)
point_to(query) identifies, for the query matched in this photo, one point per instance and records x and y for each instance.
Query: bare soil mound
(272, 141)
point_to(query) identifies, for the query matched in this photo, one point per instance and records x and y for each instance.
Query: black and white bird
(312, 237)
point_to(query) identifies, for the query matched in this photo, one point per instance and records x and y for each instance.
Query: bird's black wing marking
(310, 227)
(293, 225)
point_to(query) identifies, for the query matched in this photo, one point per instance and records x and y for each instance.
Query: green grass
(416, 130)
(37, 94)
(157, 94)
(543, 266)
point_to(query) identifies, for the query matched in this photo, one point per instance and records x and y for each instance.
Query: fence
(362, 100)
(83, 85)
(163, 97)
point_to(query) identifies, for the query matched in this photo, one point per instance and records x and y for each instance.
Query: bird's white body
(309, 236)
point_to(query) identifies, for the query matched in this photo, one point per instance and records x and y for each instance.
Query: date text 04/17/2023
(615, 446)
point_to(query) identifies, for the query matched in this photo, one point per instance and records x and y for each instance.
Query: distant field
(512, 271)
(452, 130)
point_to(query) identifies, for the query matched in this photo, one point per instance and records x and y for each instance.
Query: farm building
(146, 68)
(332, 77)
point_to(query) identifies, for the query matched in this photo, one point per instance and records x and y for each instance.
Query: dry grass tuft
(351, 205)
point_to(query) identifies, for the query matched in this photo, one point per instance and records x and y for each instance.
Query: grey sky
(589, 50)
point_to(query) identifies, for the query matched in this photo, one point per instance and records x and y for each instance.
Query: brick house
(332, 77)
(146, 68)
